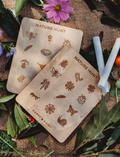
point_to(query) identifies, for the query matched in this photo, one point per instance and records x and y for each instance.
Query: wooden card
(62, 94)
(37, 44)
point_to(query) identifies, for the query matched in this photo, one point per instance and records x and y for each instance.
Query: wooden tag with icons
(62, 94)
(37, 44)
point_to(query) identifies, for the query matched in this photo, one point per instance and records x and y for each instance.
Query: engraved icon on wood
(41, 66)
(46, 52)
(60, 96)
(55, 73)
(64, 63)
(69, 85)
(66, 42)
(45, 84)
(27, 48)
(50, 38)
(21, 78)
(49, 108)
(91, 88)
(71, 111)
(81, 99)
(24, 63)
(62, 122)
(77, 76)
(33, 95)
(31, 35)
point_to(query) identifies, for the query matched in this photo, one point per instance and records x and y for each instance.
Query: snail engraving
(24, 63)
(46, 52)
(62, 122)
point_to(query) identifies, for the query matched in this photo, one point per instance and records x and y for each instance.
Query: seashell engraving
(46, 52)
(24, 63)
(62, 122)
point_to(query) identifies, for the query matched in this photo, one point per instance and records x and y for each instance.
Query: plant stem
(49, 154)
(116, 94)
(11, 147)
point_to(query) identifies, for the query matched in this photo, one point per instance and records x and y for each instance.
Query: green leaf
(10, 127)
(117, 84)
(16, 20)
(33, 141)
(109, 154)
(3, 84)
(113, 90)
(31, 132)
(105, 19)
(43, 19)
(19, 5)
(20, 118)
(6, 98)
(91, 149)
(2, 107)
(38, 2)
(79, 140)
(1, 5)
(2, 113)
(114, 137)
(91, 4)
(8, 139)
(101, 113)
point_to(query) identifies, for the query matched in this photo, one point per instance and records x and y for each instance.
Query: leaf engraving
(27, 48)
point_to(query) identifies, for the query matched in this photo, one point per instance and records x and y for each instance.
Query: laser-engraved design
(81, 99)
(31, 35)
(46, 52)
(21, 78)
(41, 66)
(35, 96)
(50, 38)
(77, 76)
(45, 84)
(64, 63)
(27, 48)
(66, 42)
(55, 73)
(69, 85)
(62, 122)
(71, 111)
(91, 88)
(24, 63)
(60, 96)
(49, 108)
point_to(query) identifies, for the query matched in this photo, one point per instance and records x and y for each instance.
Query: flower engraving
(81, 99)
(66, 42)
(91, 88)
(49, 108)
(45, 84)
(69, 85)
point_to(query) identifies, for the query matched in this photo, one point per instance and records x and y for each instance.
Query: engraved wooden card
(62, 94)
(37, 44)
